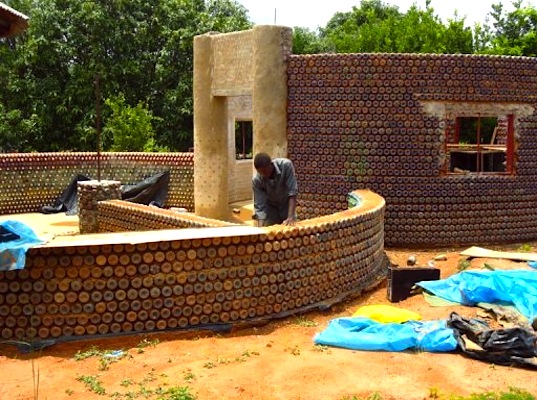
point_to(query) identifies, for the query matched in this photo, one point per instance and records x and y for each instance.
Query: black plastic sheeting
(510, 346)
(68, 201)
(151, 191)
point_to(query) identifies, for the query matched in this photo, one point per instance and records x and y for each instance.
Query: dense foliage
(375, 26)
(141, 53)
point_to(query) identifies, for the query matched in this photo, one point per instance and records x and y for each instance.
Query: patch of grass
(322, 349)
(512, 394)
(106, 357)
(126, 382)
(146, 342)
(109, 357)
(144, 392)
(93, 384)
(525, 248)
(177, 393)
(93, 351)
(489, 267)
(434, 394)
(463, 264)
(246, 354)
(189, 376)
(293, 350)
(372, 396)
(209, 365)
(150, 377)
(301, 320)
(223, 360)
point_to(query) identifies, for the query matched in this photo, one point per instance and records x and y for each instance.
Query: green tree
(131, 128)
(141, 49)
(379, 27)
(306, 41)
(515, 32)
(364, 29)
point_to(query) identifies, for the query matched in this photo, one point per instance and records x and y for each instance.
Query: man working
(275, 191)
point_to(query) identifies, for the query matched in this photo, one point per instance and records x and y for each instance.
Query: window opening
(480, 144)
(243, 140)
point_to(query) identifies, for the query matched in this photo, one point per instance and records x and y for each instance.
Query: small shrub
(177, 393)
(303, 321)
(92, 383)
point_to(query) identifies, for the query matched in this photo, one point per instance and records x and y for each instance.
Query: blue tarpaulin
(366, 334)
(13, 252)
(516, 287)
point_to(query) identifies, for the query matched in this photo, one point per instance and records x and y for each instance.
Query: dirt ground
(276, 361)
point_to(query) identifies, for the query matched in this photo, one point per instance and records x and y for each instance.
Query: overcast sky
(316, 13)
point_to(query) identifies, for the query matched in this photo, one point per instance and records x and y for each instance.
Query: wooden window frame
(480, 151)
(243, 154)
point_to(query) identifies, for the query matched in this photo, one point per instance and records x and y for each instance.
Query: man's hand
(289, 221)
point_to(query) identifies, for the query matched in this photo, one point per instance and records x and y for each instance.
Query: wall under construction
(206, 278)
(375, 121)
(379, 121)
(123, 216)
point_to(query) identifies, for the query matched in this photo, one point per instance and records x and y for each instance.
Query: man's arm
(291, 220)
(260, 203)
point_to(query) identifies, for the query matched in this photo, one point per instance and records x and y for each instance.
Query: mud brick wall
(122, 216)
(212, 282)
(365, 121)
(31, 181)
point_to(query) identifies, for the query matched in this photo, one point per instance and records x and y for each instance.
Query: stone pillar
(211, 156)
(272, 46)
(89, 194)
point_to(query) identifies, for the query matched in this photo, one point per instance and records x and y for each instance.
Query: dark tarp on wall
(152, 190)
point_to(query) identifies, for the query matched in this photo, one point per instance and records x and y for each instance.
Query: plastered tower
(249, 63)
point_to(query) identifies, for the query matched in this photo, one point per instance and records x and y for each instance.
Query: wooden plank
(482, 252)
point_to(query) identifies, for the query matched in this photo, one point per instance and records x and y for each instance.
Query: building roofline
(12, 22)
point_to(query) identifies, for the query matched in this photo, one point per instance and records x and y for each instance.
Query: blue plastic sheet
(366, 334)
(516, 287)
(13, 252)
(532, 264)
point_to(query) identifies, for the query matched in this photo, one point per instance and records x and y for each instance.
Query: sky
(316, 13)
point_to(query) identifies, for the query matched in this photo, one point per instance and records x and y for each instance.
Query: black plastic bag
(511, 346)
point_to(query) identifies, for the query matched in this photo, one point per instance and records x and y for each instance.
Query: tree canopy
(375, 26)
(140, 50)
(142, 54)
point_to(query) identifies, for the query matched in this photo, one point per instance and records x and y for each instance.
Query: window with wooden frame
(243, 139)
(480, 144)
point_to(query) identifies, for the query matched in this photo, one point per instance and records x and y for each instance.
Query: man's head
(263, 164)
